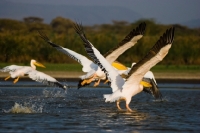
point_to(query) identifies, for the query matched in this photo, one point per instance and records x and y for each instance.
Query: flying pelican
(94, 73)
(148, 81)
(18, 71)
(129, 41)
(125, 90)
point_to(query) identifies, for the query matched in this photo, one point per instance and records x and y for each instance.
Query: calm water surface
(32, 107)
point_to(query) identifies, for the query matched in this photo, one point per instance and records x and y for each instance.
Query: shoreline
(159, 76)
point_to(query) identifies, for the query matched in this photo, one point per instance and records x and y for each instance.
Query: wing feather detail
(129, 41)
(88, 46)
(85, 62)
(155, 55)
(11, 68)
(104, 65)
(45, 79)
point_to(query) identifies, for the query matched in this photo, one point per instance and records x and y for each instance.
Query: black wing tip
(156, 92)
(78, 28)
(169, 35)
(64, 87)
(166, 38)
(141, 28)
(43, 36)
(80, 31)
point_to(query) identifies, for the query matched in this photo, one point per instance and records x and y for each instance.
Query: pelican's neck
(32, 64)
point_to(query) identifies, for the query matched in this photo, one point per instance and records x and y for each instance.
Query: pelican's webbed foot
(15, 81)
(7, 78)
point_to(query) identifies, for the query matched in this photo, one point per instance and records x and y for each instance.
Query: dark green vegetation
(20, 42)
(78, 68)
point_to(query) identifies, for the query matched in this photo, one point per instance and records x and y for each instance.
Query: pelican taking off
(130, 40)
(18, 71)
(93, 72)
(125, 90)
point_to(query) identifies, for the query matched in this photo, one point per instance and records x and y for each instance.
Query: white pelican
(125, 90)
(129, 41)
(94, 73)
(148, 81)
(18, 71)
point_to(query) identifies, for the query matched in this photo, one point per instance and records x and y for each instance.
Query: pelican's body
(125, 90)
(19, 71)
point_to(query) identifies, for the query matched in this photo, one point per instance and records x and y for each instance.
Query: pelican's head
(133, 64)
(35, 63)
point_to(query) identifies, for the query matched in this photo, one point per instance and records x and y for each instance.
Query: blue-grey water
(32, 107)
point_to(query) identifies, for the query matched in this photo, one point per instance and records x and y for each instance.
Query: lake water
(32, 107)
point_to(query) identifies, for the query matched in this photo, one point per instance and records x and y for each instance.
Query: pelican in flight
(129, 41)
(18, 71)
(148, 81)
(93, 72)
(126, 89)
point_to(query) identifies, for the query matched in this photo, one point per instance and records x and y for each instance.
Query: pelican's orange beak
(39, 64)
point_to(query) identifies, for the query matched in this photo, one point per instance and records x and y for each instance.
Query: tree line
(20, 41)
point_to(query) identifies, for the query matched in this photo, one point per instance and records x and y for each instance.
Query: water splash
(164, 99)
(50, 93)
(26, 108)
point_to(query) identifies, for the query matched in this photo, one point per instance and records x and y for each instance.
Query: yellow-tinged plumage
(119, 66)
(145, 84)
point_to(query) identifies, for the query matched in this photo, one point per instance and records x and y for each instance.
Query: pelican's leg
(97, 83)
(15, 81)
(88, 80)
(83, 82)
(118, 101)
(128, 108)
(92, 78)
(106, 81)
(7, 78)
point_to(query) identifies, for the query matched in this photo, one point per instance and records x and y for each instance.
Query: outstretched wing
(11, 68)
(155, 55)
(111, 73)
(45, 79)
(85, 62)
(129, 41)
(154, 91)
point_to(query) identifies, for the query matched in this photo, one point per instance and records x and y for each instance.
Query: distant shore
(164, 77)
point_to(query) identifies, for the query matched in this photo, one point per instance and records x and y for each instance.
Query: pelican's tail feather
(111, 98)
(107, 97)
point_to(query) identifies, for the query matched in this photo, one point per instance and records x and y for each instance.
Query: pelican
(18, 71)
(129, 41)
(125, 90)
(94, 73)
(148, 81)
